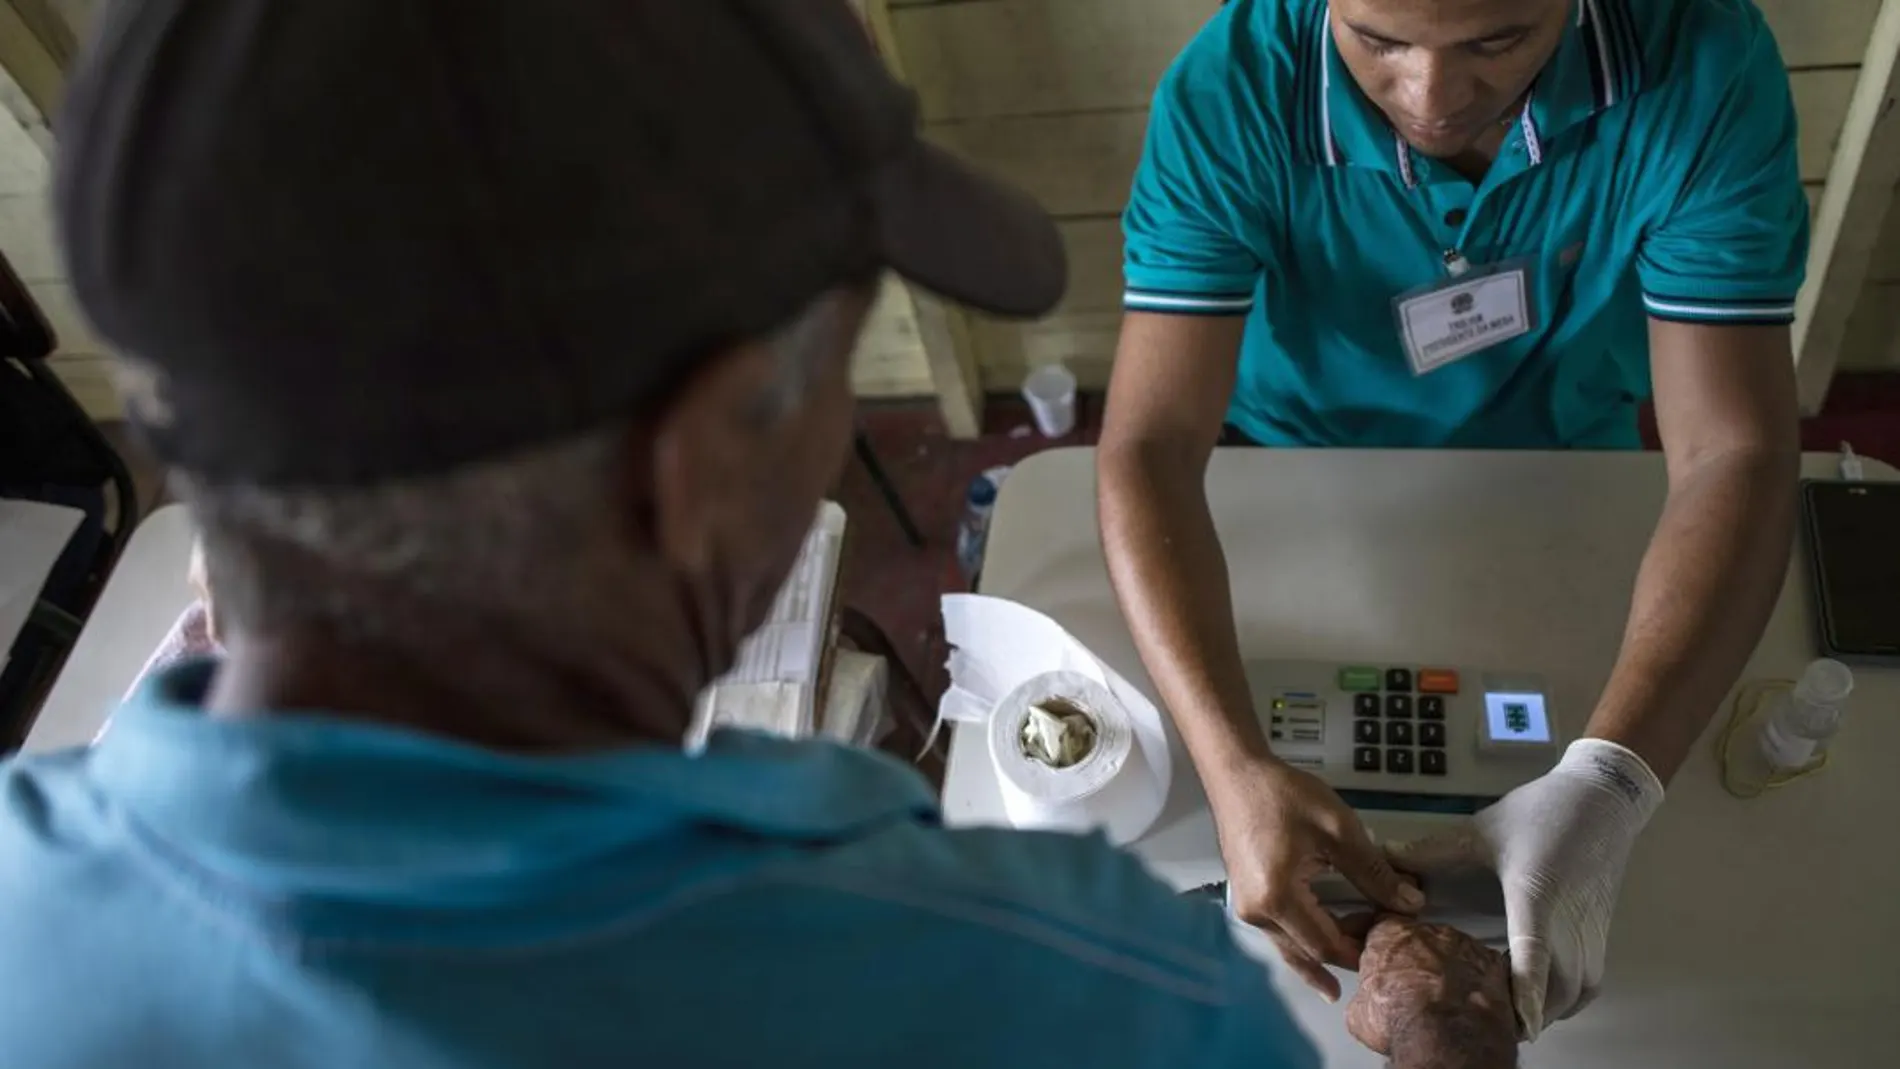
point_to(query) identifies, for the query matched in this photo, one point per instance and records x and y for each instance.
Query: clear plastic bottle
(1798, 724)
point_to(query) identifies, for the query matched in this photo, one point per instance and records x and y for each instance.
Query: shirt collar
(315, 803)
(1597, 65)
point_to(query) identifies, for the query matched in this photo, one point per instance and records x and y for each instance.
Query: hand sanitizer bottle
(1797, 725)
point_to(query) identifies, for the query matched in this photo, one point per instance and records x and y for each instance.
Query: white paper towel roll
(1113, 788)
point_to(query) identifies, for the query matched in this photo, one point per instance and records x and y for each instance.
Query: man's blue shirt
(307, 890)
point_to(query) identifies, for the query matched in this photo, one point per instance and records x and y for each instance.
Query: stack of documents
(774, 685)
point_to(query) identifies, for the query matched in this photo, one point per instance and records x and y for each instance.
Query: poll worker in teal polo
(1454, 224)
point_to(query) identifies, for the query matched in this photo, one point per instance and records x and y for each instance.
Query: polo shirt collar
(1597, 65)
(311, 803)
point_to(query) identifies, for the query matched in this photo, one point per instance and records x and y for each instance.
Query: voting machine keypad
(1399, 713)
(1398, 725)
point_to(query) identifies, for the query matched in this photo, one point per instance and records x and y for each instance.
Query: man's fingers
(1302, 917)
(1284, 918)
(1459, 848)
(1365, 867)
(1303, 964)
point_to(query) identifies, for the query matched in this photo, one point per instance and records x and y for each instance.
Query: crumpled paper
(998, 644)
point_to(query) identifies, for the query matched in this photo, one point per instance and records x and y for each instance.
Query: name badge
(1446, 322)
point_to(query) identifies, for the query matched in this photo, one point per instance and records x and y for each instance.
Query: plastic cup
(1050, 391)
(1826, 682)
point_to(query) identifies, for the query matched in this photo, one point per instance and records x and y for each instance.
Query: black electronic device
(1853, 549)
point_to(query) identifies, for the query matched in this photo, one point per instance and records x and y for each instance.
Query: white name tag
(1462, 317)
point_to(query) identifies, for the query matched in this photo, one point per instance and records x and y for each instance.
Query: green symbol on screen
(1517, 718)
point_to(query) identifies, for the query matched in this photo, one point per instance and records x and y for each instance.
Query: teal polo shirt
(1653, 175)
(311, 891)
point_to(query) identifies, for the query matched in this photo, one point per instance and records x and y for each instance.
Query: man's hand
(1279, 828)
(1559, 845)
(1430, 995)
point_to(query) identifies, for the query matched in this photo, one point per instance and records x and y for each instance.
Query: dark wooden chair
(867, 455)
(52, 451)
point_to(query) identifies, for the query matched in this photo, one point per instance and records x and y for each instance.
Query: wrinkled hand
(1430, 995)
(1279, 828)
(1559, 845)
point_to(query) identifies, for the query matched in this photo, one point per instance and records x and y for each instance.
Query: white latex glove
(1558, 844)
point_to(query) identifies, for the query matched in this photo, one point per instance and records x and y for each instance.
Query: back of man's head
(501, 323)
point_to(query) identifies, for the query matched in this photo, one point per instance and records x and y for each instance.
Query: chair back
(24, 332)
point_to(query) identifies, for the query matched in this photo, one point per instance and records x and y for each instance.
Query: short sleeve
(1734, 246)
(1187, 249)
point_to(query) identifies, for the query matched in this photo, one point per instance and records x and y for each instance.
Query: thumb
(1366, 868)
(1448, 851)
(1530, 962)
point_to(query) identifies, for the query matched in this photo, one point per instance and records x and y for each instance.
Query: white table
(32, 537)
(144, 597)
(1749, 935)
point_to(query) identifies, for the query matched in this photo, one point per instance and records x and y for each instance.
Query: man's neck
(479, 682)
(1475, 162)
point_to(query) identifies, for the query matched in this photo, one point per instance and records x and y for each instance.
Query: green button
(1358, 679)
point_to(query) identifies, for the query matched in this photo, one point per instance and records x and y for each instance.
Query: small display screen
(1516, 717)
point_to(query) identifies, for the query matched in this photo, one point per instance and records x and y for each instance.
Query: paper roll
(1114, 787)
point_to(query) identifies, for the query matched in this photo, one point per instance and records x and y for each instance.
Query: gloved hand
(1558, 844)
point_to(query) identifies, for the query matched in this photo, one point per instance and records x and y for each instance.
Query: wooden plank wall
(37, 38)
(1054, 94)
(890, 360)
(1872, 338)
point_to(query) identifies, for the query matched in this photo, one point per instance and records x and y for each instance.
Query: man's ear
(706, 454)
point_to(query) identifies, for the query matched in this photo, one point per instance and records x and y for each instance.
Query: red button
(1437, 681)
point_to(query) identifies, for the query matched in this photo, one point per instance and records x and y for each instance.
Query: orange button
(1437, 681)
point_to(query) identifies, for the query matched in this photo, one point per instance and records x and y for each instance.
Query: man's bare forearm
(1165, 561)
(1703, 595)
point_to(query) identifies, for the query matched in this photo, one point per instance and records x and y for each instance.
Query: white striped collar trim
(1588, 16)
(1139, 299)
(1720, 311)
(1589, 21)
(1533, 144)
(1326, 145)
(1329, 148)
